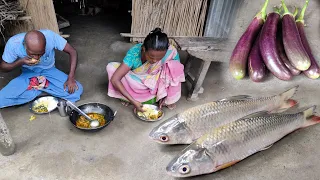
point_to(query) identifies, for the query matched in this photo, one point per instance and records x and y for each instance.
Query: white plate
(152, 107)
(52, 103)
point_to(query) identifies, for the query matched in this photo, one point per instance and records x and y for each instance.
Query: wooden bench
(206, 50)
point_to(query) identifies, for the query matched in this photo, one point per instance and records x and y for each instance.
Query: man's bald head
(35, 43)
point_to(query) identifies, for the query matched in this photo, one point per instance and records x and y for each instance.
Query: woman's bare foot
(125, 103)
(171, 106)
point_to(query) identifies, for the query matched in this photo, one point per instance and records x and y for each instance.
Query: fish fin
(267, 147)
(310, 118)
(260, 113)
(288, 94)
(308, 112)
(289, 104)
(225, 165)
(238, 98)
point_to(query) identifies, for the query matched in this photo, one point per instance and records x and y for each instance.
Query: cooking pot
(98, 108)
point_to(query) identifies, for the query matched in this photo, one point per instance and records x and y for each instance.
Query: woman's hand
(161, 103)
(138, 105)
(116, 82)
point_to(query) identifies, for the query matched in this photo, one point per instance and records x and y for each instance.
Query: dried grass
(9, 10)
(175, 17)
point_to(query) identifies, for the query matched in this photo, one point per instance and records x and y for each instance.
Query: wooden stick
(23, 18)
(65, 35)
(184, 14)
(5, 2)
(202, 19)
(168, 17)
(144, 35)
(178, 18)
(197, 17)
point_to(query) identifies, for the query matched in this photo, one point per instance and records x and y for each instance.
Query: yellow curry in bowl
(82, 122)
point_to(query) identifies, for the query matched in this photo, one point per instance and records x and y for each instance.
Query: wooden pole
(7, 146)
(42, 13)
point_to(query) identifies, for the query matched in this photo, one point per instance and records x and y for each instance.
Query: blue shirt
(15, 49)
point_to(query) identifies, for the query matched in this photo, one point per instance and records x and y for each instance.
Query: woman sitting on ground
(150, 72)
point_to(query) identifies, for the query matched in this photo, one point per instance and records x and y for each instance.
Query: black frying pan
(93, 108)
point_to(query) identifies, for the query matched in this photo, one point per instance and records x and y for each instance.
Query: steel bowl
(98, 108)
(156, 108)
(52, 104)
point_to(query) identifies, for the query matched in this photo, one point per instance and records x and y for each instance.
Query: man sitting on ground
(34, 53)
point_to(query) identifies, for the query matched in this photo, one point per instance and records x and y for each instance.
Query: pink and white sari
(151, 81)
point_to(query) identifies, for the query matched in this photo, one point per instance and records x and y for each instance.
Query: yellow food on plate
(82, 122)
(42, 107)
(150, 114)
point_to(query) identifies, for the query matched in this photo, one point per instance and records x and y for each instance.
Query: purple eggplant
(314, 71)
(282, 53)
(293, 46)
(256, 66)
(239, 57)
(268, 48)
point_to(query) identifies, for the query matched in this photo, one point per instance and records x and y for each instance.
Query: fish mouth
(176, 174)
(170, 173)
(169, 169)
(153, 135)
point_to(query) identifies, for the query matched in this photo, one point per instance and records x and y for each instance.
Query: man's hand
(7, 67)
(71, 85)
(29, 61)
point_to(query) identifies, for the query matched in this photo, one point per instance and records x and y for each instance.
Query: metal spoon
(93, 123)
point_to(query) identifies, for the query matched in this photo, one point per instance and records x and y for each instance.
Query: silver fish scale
(202, 118)
(241, 138)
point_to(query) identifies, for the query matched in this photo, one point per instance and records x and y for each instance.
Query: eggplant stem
(263, 13)
(296, 10)
(286, 10)
(280, 7)
(303, 10)
(277, 9)
(264, 9)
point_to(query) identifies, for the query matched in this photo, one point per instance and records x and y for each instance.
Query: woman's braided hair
(156, 40)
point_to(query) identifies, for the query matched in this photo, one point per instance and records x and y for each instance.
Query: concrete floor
(51, 148)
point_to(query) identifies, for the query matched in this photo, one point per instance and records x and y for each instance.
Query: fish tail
(310, 118)
(286, 96)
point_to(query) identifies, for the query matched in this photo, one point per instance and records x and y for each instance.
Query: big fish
(226, 145)
(185, 127)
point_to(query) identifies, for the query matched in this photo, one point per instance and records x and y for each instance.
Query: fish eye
(185, 169)
(164, 138)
